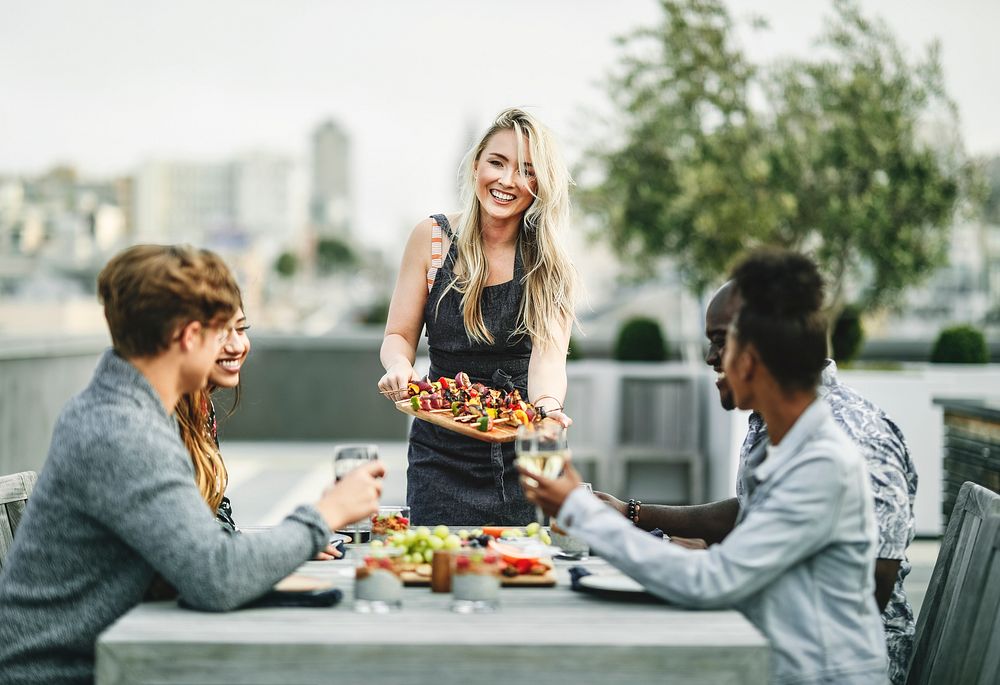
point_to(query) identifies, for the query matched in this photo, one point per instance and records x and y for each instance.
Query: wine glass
(542, 449)
(346, 458)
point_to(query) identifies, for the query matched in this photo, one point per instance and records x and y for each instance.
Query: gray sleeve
(795, 520)
(142, 489)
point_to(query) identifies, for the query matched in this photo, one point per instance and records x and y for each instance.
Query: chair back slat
(14, 492)
(961, 549)
(979, 610)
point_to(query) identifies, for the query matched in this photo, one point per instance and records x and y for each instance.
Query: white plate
(613, 583)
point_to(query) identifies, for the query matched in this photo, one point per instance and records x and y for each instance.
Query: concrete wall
(908, 397)
(294, 389)
(36, 380)
(313, 389)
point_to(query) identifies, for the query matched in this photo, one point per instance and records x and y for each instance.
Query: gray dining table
(538, 635)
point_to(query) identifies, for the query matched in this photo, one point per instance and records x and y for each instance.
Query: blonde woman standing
(495, 289)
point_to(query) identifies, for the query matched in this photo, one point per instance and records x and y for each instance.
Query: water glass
(346, 458)
(572, 548)
(475, 580)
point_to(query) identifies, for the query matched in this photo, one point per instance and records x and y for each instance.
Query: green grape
(441, 531)
(437, 543)
(398, 539)
(452, 542)
(463, 534)
(377, 543)
(533, 528)
(544, 537)
(428, 555)
(423, 532)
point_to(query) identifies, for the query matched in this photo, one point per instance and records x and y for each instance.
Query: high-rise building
(330, 199)
(183, 202)
(264, 197)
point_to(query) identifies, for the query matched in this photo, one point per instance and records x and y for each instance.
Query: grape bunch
(420, 544)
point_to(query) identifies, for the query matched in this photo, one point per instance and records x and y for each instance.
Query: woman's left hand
(549, 493)
(328, 554)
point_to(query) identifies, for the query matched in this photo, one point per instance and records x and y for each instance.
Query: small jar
(441, 571)
(378, 585)
(475, 580)
(389, 520)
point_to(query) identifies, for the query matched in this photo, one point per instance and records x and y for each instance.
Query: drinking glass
(571, 547)
(346, 458)
(475, 581)
(542, 449)
(378, 583)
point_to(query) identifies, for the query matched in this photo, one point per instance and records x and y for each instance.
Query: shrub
(960, 345)
(848, 334)
(376, 313)
(573, 353)
(640, 340)
(286, 265)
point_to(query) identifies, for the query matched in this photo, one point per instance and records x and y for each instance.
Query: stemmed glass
(542, 449)
(346, 458)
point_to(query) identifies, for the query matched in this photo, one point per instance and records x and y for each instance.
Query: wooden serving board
(547, 579)
(501, 433)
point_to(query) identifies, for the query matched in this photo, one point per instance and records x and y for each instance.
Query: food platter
(471, 409)
(499, 434)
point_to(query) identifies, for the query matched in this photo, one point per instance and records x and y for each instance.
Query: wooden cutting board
(547, 579)
(501, 433)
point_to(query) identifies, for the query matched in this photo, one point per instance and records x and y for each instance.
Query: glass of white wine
(542, 449)
(346, 458)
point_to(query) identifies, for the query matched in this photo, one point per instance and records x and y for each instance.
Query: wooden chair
(979, 610)
(942, 639)
(14, 491)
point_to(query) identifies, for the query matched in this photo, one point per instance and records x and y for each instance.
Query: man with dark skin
(894, 481)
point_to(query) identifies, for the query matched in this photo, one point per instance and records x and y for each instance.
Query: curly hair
(781, 302)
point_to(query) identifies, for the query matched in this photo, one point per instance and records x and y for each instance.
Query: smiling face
(721, 311)
(226, 371)
(503, 191)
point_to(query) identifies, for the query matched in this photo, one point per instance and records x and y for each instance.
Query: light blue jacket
(799, 563)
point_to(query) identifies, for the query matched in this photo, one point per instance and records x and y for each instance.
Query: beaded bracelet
(634, 506)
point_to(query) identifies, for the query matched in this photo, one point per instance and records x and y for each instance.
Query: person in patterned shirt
(893, 481)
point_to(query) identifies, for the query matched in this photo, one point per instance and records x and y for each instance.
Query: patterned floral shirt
(894, 484)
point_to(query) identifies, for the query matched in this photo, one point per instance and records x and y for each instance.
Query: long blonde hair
(209, 470)
(549, 280)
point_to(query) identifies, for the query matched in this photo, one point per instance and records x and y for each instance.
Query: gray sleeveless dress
(453, 479)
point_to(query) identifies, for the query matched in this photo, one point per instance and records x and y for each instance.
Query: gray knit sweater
(115, 504)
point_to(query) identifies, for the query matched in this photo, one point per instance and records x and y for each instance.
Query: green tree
(833, 165)
(286, 265)
(333, 254)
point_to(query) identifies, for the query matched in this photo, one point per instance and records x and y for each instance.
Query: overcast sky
(106, 84)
